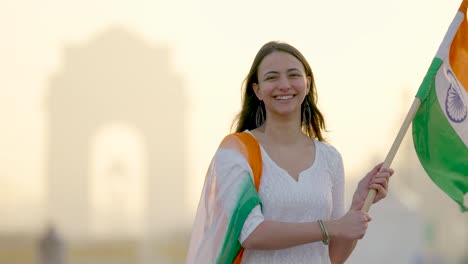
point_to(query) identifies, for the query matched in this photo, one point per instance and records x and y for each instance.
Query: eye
(270, 78)
(295, 75)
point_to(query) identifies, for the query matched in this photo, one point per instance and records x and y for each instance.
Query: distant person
(51, 247)
(274, 191)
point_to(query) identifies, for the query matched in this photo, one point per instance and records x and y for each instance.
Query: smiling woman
(274, 192)
(284, 84)
(269, 71)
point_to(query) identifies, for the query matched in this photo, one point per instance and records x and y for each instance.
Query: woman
(274, 192)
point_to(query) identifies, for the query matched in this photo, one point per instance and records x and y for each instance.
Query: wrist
(356, 202)
(325, 234)
(332, 227)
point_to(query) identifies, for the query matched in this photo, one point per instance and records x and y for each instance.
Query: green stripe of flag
(441, 151)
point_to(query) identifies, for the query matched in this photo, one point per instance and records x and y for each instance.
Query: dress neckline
(271, 161)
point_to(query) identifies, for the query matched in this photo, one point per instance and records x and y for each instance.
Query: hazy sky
(367, 55)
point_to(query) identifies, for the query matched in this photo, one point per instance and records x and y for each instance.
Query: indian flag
(440, 126)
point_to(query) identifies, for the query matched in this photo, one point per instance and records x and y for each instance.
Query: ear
(309, 82)
(257, 91)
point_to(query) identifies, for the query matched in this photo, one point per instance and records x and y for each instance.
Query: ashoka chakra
(454, 106)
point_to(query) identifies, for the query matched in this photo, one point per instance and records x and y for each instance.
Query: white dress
(318, 194)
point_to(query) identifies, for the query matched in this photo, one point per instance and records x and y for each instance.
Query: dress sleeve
(338, 189)
(253, 220)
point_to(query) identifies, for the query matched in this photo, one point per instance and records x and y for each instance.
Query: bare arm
(344, 234)
(339, 248)
(278, 235)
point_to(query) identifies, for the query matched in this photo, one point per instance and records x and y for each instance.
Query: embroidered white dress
(317, 194)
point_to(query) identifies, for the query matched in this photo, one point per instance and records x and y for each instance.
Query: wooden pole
(391, 153)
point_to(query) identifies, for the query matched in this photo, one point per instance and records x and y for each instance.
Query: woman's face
(282, 84)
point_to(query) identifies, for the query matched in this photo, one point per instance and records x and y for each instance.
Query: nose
(283, 83)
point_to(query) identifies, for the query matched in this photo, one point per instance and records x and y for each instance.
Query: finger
(387, 170)
(381, 191)
(385, 175)
(363, 216)
(376, 168)
(378, 186)
(371, 174)
(382, 181)
(368, 217)
(391, 171)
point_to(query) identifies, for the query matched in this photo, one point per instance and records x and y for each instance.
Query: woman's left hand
(376, 179)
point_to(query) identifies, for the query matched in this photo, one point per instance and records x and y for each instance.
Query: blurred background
(112, 110)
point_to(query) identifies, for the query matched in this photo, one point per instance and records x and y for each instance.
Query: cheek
(265, 91)
(303, 85)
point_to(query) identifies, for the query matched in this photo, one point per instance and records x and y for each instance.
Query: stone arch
(115, 77)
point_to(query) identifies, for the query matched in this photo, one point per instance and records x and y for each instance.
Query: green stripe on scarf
(248, 199)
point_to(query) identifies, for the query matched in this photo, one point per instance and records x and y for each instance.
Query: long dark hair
(312, 121)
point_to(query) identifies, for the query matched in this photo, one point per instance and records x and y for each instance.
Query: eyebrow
(275, 72)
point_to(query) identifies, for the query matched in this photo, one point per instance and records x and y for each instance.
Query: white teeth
(284, 97)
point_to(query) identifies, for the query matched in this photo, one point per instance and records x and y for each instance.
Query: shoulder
(332, 159)
(231, 148)
(244, 142)
(230, 143)
(230, 157)
(327, 149)
(234, 139)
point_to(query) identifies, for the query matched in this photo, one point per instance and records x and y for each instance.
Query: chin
(286, 112)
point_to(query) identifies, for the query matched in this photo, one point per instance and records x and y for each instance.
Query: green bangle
(326, 238)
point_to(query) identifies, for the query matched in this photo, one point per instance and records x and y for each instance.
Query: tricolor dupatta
(230, 192)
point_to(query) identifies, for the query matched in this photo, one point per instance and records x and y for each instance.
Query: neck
(283, 130)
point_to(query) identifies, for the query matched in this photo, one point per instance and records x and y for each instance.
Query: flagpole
(393, 150)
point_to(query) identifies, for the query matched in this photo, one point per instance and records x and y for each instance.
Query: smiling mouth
(284, 97)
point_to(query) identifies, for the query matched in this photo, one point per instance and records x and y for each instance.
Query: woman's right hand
(351, 226)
